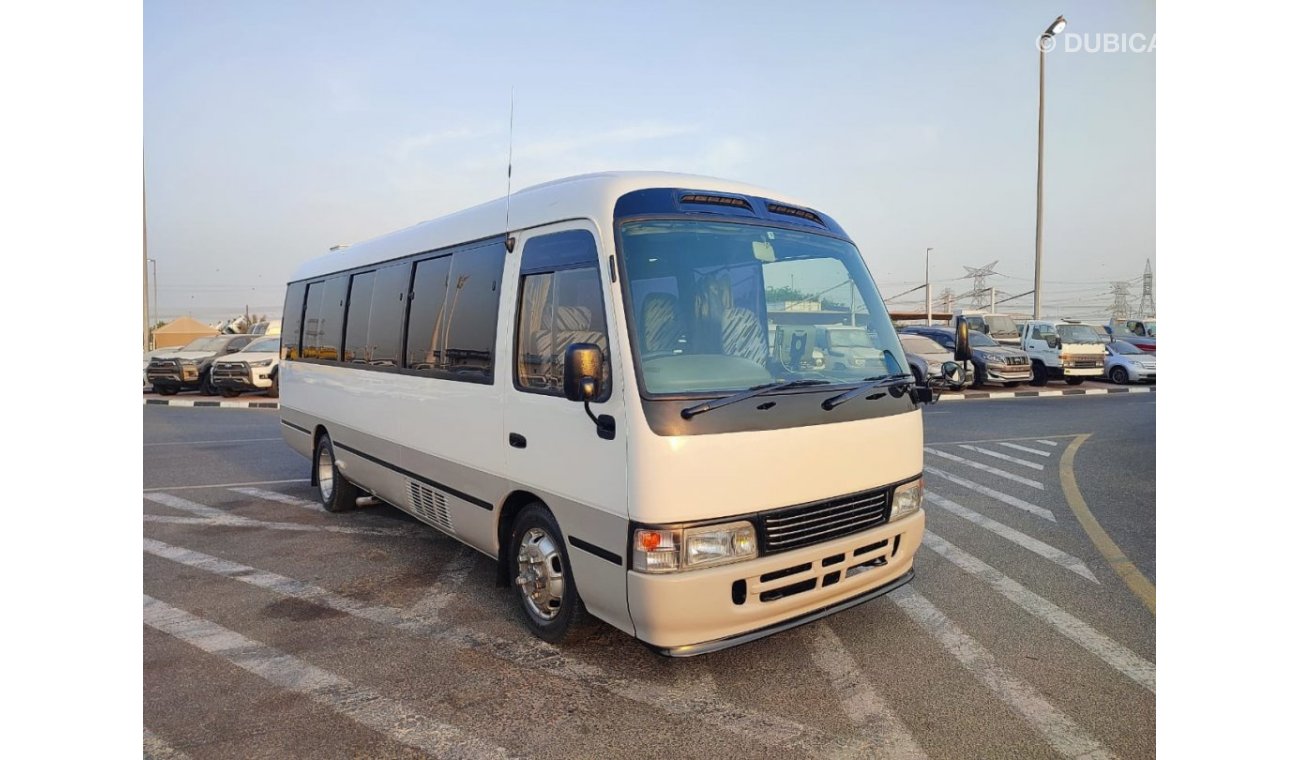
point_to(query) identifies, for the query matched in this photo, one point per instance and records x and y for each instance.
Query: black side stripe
(435, 484)
(604, 554)
(295, 427)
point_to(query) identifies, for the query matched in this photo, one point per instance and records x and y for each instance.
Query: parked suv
(994, 363)
(190, 367)
(846, 348)
(255, 368)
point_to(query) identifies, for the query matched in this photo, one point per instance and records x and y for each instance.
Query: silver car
(1126, 363)
(926, 359)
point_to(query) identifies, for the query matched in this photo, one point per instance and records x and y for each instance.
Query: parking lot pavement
(275, 629)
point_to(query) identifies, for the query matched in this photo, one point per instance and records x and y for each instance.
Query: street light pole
(153, 317)
(929, 318)
(1044, 42)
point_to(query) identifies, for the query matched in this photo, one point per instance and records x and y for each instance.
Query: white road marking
(539, 657)
(865, 708)
(262, 493)
(1063, 734)
(1025, 449)
(155, 748)
(214, 516)
(1004, 457)
(1007, 499)
(986, 468)
(1112, 653)
(230, 485)
(233, 521)
(199, 443)
(390, 717)
(1046, 551)
(1046, 442)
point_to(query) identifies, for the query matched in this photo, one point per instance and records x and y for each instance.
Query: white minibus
(578, 382)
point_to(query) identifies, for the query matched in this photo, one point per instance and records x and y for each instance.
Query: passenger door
(554, 449)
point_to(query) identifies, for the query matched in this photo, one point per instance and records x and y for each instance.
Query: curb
(976, 396)
(980, 395)
(221, 404)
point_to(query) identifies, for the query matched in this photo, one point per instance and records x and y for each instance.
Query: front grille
(1017, 360)
(798, 579)
(230, 371)
(164, 369)
(794, 527)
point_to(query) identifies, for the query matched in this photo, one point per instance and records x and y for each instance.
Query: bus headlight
(907, 499)
(666, 550)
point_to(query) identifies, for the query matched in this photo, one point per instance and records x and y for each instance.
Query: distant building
(180, 331)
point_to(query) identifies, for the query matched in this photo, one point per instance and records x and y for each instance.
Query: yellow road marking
(1125, 569)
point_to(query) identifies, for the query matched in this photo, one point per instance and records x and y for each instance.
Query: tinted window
(426, 326)
(292, 323)
(311, 322)
(473, 297)
(356, 346)
(556, 310)
(330, 324)
(387, 307)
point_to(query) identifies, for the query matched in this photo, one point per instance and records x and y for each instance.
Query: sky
(275, 130)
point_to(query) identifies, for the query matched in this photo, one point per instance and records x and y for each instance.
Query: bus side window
(560, 304)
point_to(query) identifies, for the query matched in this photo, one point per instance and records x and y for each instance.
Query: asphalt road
(274, 629)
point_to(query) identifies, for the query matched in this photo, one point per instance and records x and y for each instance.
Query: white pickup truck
(1062, 349)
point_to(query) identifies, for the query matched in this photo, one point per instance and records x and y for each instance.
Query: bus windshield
(718, 307)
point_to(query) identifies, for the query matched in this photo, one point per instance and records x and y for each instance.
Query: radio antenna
(510, 157)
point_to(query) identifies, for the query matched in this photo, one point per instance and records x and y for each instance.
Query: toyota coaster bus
(587, 392)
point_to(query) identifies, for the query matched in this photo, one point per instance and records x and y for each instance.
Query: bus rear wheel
(337, 494)
(542, 576)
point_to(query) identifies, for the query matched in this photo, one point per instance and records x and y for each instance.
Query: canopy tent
(180, 331)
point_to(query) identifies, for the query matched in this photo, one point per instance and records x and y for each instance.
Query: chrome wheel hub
(541, 574)
(325, 473)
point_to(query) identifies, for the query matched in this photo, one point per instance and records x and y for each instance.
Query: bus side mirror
(582, 372)
(962, 352)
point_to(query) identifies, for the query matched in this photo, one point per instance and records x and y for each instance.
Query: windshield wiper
(757, 390)
(886, 381)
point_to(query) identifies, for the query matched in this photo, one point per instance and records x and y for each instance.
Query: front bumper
(690, 613)
(1009, 373)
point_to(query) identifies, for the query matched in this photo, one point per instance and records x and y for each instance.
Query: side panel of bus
(559, 282)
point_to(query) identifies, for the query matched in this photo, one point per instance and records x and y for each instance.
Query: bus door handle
(518, 441)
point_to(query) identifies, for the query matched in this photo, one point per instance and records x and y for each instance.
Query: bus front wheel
(542, 576)
(336, 493)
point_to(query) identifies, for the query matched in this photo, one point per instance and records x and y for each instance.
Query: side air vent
(717, 200)
(431, 506)
(802, 213)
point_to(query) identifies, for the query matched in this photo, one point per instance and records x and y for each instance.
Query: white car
(255, 368)
(1126, 363)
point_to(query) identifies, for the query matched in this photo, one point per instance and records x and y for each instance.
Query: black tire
(337, 494)
(1013, 384)
(536, 533)
(275, 387)
(1074, 380)
(1040, 375)
(1119, 375)
(981, 377)
(165, 390)
(229, 392)
(205, 384)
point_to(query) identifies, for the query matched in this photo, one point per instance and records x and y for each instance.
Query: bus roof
(585, 196)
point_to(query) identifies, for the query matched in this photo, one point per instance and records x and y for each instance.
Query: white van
(1063, 349)
(1000, 327)
(587, 394)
